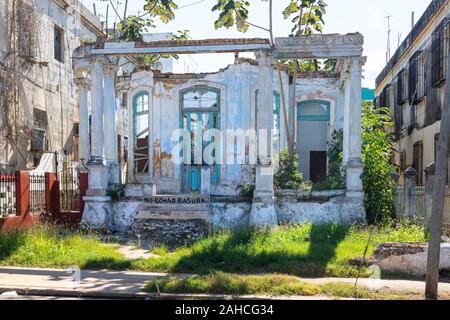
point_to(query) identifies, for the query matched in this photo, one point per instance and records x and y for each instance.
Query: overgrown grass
(46, 246)
(271, 284)
(300, 250)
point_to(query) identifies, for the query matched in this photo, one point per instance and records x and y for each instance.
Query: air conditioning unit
(38, 140)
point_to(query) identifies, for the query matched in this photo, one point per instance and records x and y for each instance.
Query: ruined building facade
(173, 118)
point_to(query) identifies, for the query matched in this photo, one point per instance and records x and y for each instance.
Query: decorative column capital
(83, 83)
(110, 69)
(355, 64)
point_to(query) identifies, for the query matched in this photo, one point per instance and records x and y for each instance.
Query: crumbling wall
(237, 84)
(35, 80)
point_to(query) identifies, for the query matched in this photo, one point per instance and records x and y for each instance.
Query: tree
(437, 210)
(378, 184)
(308, 17)
(131, 27)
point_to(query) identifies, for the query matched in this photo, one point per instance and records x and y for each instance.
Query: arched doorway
(313, 117)
(200, 112)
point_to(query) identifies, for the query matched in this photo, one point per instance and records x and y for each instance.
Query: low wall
(297, 206)
(226, 212)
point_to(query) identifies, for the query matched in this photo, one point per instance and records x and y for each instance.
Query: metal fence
(7, 194)
(37, 193)
(421, 208)
(69, 186)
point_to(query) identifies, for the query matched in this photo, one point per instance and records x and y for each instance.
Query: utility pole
(388, 51)
(437, 209)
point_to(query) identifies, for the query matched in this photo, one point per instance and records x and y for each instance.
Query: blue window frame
(141, 132)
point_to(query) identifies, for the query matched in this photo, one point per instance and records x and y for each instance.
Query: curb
(42, 291)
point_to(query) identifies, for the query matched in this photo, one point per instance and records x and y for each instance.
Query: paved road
(129, 285)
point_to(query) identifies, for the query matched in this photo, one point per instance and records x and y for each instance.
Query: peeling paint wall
(45, 83)
(237, 85)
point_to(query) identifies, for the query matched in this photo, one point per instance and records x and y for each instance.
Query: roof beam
(320, 46)
(182, 47)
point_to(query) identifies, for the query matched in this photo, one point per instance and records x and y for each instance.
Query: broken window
(141, 132)
(402, 87)
(439, 53)
(384, 97)
(416, 77)
(59, 44)
(26, 19)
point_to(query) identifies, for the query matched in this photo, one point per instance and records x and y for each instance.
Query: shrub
(377, 181)
(288, 175)
(336, 177)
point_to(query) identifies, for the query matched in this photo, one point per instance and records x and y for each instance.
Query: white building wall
(237, 84)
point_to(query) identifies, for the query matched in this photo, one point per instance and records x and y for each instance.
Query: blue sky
(343, 16)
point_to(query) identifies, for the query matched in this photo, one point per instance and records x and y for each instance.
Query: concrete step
(172, 215)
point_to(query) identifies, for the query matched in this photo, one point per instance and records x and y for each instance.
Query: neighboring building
(368, 94)
(39, 99)
(412, 85)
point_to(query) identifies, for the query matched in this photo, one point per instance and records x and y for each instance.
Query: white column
(97, 210)
(345, 125)
(109, 116)
(97, 111)
(263, 209)
(83, 88)
(96, 163)
(353, 164)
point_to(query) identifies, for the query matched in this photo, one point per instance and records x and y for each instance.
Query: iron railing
(69, 186)
(7, 194)
(37, 193)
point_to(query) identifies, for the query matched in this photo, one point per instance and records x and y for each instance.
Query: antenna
(388, 50)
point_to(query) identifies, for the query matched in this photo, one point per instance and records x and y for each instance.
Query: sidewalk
(129, 285)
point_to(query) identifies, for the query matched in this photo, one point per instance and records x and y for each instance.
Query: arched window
(313, 110)
(141, 132)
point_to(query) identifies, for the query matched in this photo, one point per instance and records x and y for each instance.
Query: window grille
(439, 53)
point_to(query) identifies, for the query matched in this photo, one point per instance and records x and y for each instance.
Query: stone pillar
(410, 192)
(97, 210)
(84, 148)
(109, 116)
(263, 208)
(429, 175)
(352, 129)
(345, 125)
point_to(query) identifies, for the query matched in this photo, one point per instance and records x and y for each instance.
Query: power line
(191, 4)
